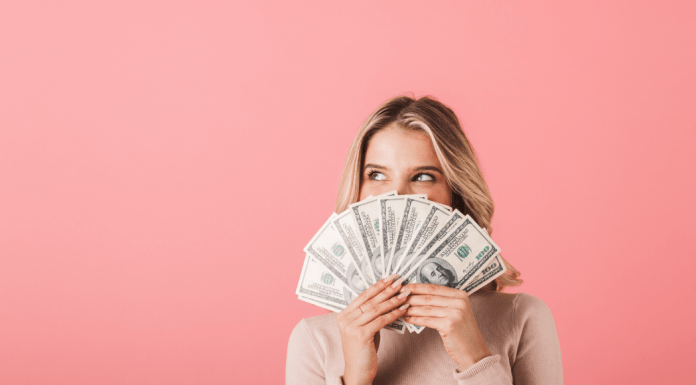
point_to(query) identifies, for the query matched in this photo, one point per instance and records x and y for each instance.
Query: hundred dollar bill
(436, 219)
(490, 271)
(321, 304)
(350, 234)
(366, 217)
(454, 220)
(397, 326)
(318, 286)
(318, 283)
(391, 213)
(415, 211)
(440, 236)
(328, 247)
(457, 258)
(465, 250)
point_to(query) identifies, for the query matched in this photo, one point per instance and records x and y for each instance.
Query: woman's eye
(377, 176)
(423, 178)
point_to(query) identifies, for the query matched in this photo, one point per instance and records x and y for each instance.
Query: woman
(418, 147)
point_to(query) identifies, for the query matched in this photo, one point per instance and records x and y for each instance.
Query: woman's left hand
(448, 311)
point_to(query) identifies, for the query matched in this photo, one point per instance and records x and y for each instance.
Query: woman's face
(405, 161)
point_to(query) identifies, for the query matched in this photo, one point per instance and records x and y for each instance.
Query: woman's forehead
(402, 149)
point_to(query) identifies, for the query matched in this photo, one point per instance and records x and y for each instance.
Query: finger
(429, 288)
(428, 311)
(436, 300)
(380, 309)
(385, 319)
(437, 323)
(387, 293)
(370, 292)
(354, 311)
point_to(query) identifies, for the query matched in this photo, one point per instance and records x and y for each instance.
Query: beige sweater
(518, 329)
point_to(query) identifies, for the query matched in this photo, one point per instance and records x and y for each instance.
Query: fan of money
(421, 240)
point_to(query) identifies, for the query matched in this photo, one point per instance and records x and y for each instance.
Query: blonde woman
(418, 147)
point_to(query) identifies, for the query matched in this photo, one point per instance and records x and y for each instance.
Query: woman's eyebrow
(428, 168)
(371, 165)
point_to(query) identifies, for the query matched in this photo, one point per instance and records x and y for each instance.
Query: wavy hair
(470, 193)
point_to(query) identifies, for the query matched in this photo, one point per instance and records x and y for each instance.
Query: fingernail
(397, 283)
(390, 278)
(404, 306)
(404, 294)
(402, 290)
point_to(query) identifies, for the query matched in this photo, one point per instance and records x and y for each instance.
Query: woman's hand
(448, 311)
(360, 324)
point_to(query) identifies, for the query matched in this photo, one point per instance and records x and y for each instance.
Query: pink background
(163, 164)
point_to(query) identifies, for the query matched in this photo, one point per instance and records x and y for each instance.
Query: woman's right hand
(360, 323)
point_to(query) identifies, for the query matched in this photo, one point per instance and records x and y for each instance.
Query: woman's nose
(403, 187)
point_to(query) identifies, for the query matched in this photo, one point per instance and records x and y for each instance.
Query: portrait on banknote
(437, 271)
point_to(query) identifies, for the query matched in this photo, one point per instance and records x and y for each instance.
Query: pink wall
(162, 166)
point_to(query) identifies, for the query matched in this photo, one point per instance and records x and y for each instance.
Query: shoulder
(536, 327)
(527, 305)
(521, 314)
(318, 332)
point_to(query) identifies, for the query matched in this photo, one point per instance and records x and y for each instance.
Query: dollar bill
(490, 271)
(319, 287)
(431, 244)
(391, 213)
(414, 214)
(328, 247)
(435, 221)
(321, 304)
(366, 215)
(466, 249)
(350, 234)
(318, 283)
(458, 258)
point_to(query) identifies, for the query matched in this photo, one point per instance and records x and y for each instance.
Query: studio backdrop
(163, 164)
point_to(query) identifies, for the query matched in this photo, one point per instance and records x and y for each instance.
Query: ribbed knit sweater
(518, 329)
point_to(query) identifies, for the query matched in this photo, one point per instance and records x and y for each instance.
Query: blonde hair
(470, 193)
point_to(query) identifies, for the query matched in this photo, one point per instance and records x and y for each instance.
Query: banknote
(440, 236)
(492, 270)
(391, 213)
(458, 258)
(318, 283)
(321, 304)
(423, 241)
(348, 230)
(328, 247)
(466, 249)
(366, 217)
(436, 219)
(414, 214)
(319, 287)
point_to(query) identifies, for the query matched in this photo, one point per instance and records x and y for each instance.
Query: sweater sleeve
(304, 363)
(488, 371)
(538, 353)
(538, 358)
